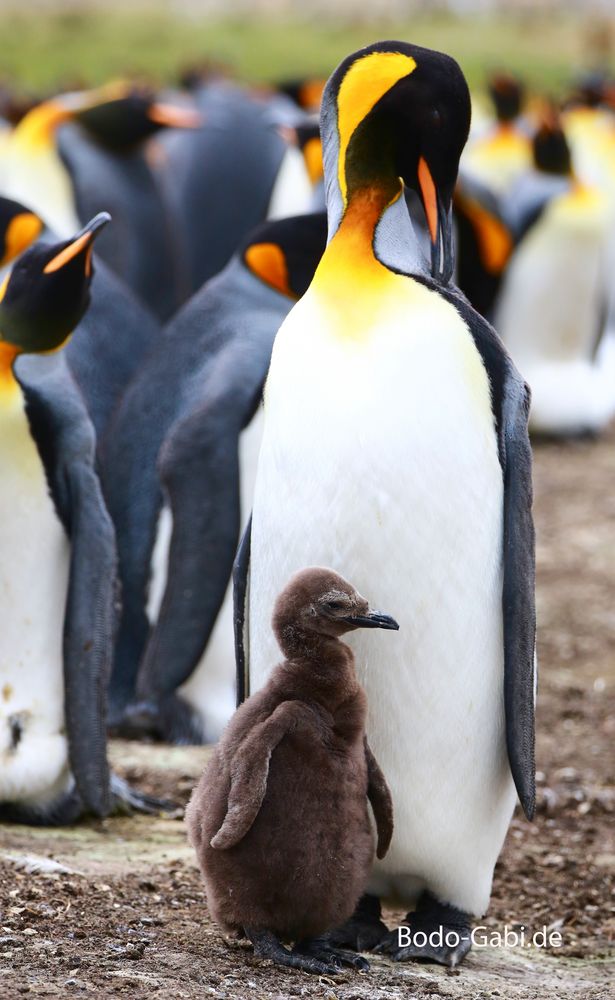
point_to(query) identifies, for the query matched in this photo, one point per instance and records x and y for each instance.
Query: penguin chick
(279, 819)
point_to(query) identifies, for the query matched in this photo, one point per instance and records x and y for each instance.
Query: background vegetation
(44, 48)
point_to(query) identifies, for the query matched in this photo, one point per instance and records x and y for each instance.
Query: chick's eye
(335, 605)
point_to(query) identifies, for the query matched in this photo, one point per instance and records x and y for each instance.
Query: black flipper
(89, 627)
(511, 402)
(199, 467)
(518, 595)
(65, 439)
(241, 579)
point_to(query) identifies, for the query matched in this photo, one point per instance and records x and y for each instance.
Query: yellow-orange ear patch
(8, 353)
(312, 155)
(3, 286)
(367, 80)
(67, 254)
(310, 94)
(267, 262)
(21, 231)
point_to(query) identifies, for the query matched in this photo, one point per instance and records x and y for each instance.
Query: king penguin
(395, 448)
(178, 472)
(57, 553)
(106, 152)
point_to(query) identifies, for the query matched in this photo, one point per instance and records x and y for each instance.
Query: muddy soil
(116, 908)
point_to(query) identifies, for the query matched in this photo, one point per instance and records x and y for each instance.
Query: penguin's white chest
(379, 460)
(34, 565)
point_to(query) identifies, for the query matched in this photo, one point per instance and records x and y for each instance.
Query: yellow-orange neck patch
(267, 262)
(366, 82)
(350, 282)
(37, 128)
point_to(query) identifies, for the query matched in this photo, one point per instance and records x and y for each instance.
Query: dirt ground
(116, 908)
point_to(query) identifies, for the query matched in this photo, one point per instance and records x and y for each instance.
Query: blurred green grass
(41, 52)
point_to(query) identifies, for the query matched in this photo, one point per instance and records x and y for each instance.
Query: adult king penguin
(395, 450)
(57, 553)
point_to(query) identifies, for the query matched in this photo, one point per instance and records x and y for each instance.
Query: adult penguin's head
(133, 116)
(47, 291)
(395, 110)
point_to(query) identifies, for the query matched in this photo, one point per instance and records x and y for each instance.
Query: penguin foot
(168, 720)
(267, 945)
(365, 929)
(434, 932)
(322, 949)
(63, 811)
(126, 800)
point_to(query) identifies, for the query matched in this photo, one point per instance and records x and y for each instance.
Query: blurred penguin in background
(105, 151)
(226, 177)
(178, 471)
(499, 155)
(32, 170)
(554, 311)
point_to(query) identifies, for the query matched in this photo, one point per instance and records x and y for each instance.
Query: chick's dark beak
(81, 241)
(438, 213)
(373, 619)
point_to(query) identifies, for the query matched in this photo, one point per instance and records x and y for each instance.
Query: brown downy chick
(279, 819)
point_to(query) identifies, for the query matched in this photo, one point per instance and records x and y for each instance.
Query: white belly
(292, 190)
(34, 566)
(379, 460)
(551, 310)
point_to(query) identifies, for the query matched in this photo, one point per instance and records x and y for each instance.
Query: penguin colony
(237, 341)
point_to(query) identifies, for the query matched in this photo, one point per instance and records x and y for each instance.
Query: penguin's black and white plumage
(105, 152)
(395, 448)
(219, 180)
(57, 552)
(178, 471)
(555, 309)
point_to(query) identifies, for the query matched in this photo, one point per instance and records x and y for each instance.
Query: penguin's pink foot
(365, 929)
(434, 932)
(267, 945)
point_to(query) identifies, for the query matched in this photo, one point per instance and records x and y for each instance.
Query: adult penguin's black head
(285, 253)
(130, 118)
(550, 148)
(507, 93)
(48, 291)
(401, 111)
(19, 227)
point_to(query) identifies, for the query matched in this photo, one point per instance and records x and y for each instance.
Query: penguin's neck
(37, 130)
(8, 383)
(350, 256)
(318, 667)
